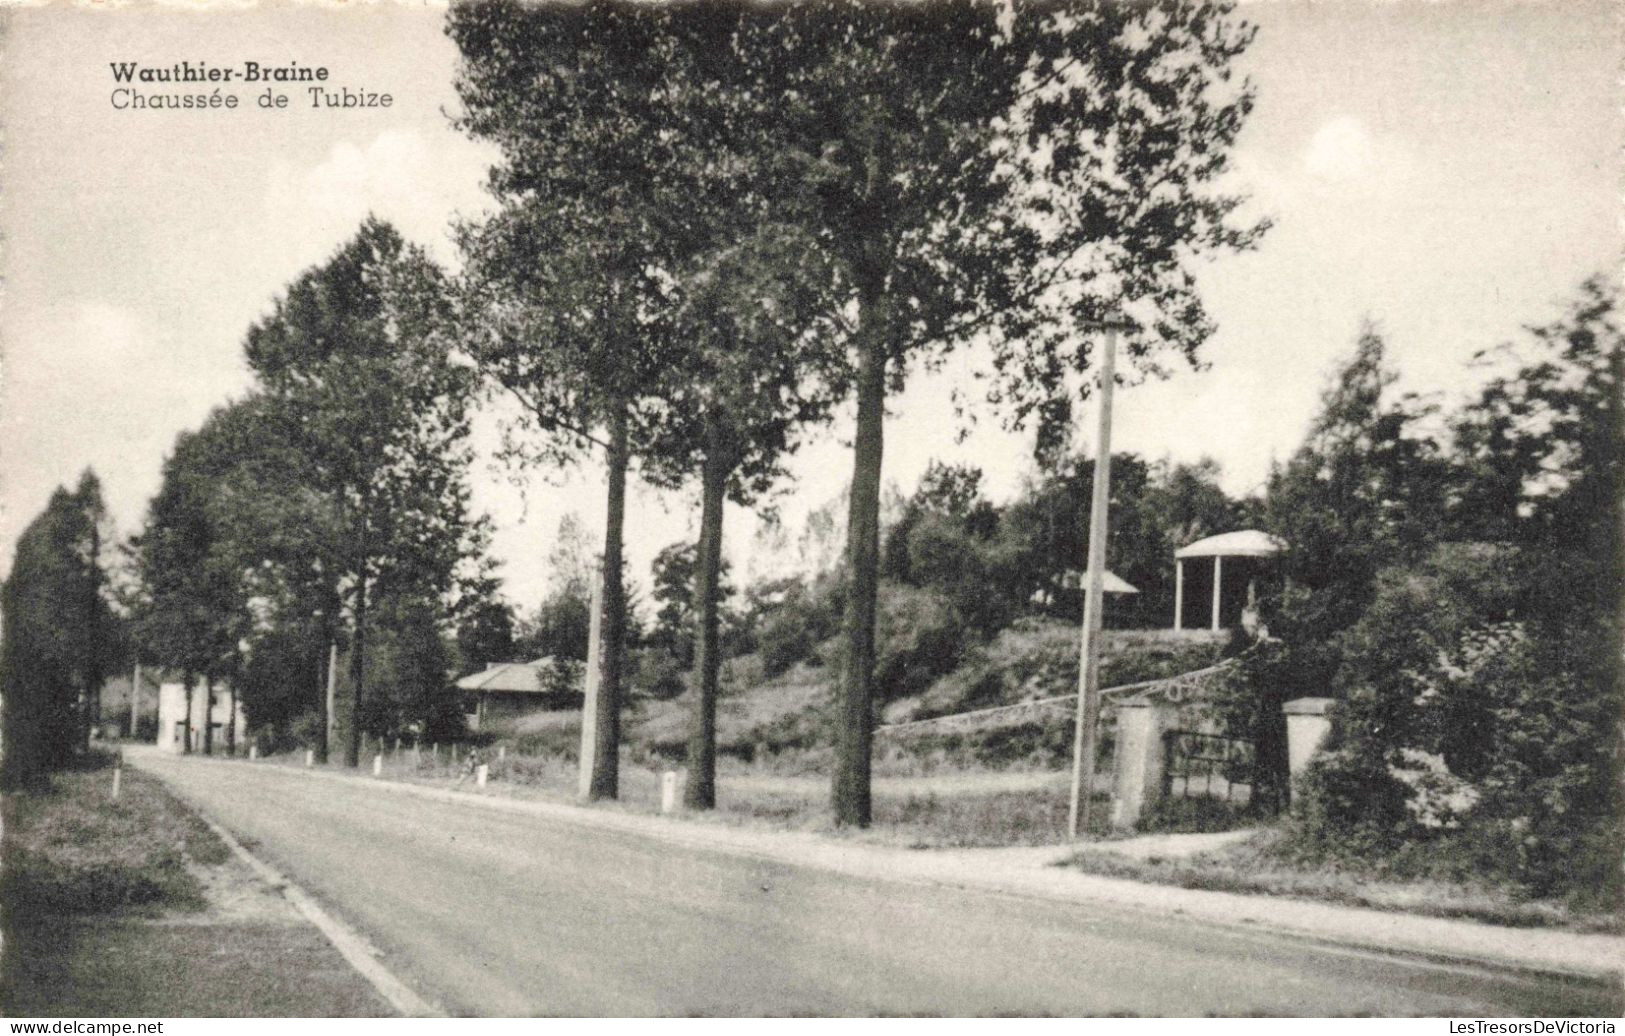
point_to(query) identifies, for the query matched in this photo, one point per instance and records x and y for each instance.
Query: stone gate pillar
(1138, 778)
(1307, 725)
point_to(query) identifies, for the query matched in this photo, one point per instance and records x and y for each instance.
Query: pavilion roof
(1245, 543)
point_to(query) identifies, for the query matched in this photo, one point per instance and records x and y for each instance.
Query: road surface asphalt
(497, 914)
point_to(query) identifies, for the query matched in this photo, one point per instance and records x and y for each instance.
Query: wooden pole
(1088, 714)
(1217, 578)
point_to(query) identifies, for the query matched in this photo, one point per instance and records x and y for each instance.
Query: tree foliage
(358, 376)
(56, 645)
(1462, 606)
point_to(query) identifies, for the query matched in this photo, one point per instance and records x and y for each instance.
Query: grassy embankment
(135, 908)
(999, 787)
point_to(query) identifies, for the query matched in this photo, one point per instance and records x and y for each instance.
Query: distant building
(116, 715)
(172, 708)
(507, 689)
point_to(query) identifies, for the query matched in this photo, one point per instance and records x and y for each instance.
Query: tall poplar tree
(568, 284)
(358, 375)
(1008, 174)
(757, 372)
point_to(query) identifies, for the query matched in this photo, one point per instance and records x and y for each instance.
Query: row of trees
(715, 224)
(716, 221)
(328, 505)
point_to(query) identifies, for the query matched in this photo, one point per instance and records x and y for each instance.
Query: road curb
(1590, 958)
(351, 945)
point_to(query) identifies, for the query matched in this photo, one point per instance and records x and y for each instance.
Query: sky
(1448, 170)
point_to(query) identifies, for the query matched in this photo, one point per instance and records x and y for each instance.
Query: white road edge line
(346, 940)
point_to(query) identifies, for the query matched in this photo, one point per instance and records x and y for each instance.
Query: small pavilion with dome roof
(1230, 589)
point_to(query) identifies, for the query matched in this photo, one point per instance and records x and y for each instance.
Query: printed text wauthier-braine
(200, 86)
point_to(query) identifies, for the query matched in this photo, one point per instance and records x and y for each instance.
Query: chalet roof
(520, 677)
(1246, 543)
(1111, 582)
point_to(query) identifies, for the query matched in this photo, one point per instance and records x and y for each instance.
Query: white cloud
(1341, 149)
(400, 175)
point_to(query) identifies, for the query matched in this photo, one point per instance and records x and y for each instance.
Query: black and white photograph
(878, 509)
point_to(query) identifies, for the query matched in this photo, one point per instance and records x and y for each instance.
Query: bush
(921, 637)
(1344, 806)
(792, 621)
(304, 731)
(660, 675)
(783, 642)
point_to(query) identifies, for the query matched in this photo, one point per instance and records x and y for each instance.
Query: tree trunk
(701, 789)
(611, 649)
(186, 729)
(854, 720)
(358, 665)
(231, 719)
(324, 676)
(208, 715)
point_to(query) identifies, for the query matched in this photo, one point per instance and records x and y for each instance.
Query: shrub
(784, 641)
(660, 675)
(921, 637)
(305, 730)
(1343, 805)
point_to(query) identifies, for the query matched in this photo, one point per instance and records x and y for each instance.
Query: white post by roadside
(668, 792)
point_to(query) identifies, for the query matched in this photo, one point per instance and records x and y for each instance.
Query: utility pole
(1088, 715)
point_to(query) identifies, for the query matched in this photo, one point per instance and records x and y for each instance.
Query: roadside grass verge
(109, 909)
(1258, 865)
(961, 809)
(126, 968)
(75, 850)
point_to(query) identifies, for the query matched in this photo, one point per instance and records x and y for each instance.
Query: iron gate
(1202, 765)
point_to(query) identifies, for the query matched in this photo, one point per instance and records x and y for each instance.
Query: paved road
(492, 913)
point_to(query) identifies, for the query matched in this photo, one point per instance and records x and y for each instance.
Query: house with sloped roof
(504, 690)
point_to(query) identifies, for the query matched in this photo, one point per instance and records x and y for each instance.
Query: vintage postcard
(811, 508)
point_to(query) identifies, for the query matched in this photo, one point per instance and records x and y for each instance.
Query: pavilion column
(1218, 571)
(1179, 594)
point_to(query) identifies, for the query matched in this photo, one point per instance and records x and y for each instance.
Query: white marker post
(310, 757)
(118, 774)
(378, 765)
(253, 752)
(668, 792)
(480, 774)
